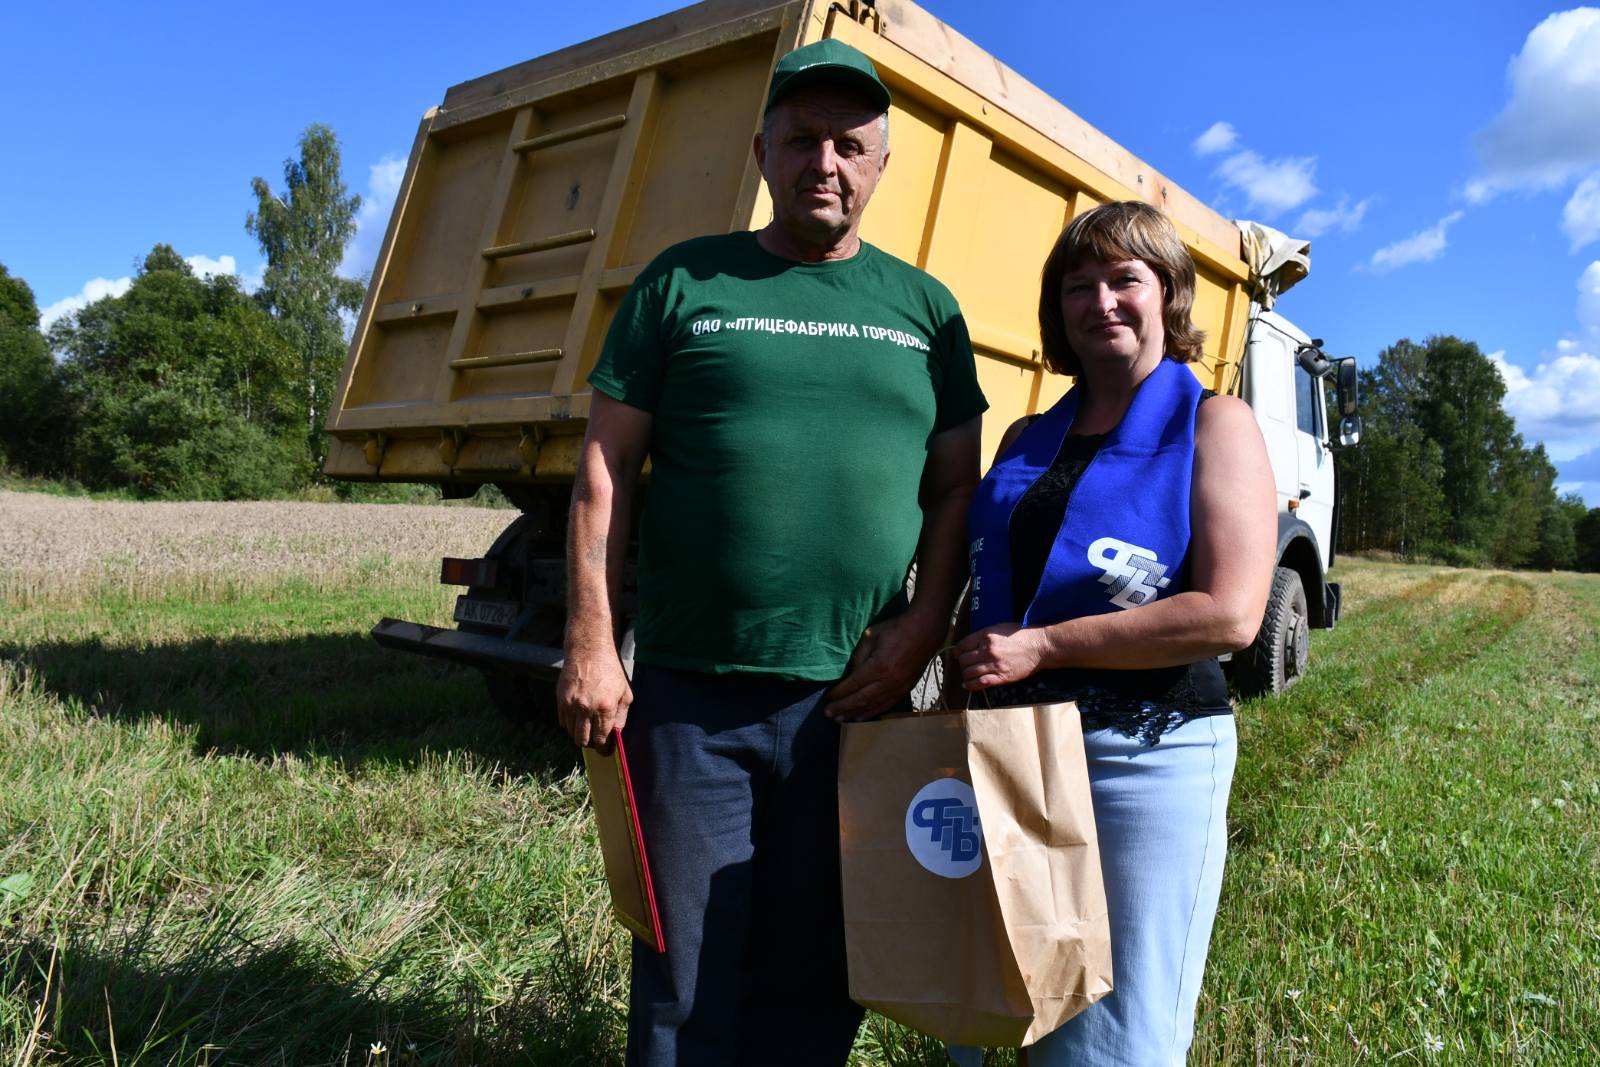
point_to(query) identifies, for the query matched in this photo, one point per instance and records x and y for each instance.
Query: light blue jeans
(1161, 815)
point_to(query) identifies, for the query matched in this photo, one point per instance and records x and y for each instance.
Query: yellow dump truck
(535, 195)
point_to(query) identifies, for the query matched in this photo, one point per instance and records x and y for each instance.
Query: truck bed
(533, 197)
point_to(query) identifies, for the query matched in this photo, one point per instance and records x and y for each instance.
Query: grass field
(233, 830)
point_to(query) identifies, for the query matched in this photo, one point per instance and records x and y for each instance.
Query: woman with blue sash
(1121, 541)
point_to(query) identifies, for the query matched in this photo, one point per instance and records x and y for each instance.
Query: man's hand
(998, 654)
(888, 660)
(592, 698)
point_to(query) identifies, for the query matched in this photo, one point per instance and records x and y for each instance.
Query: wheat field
(62, 547)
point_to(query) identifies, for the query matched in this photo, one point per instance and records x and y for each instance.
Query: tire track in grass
(1363, 670)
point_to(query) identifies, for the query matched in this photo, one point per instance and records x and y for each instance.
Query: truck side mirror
(1350, 431)
(1347, 391)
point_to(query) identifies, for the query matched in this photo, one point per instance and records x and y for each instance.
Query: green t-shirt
(793, 405)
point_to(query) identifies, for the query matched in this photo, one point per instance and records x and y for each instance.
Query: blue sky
(1443, 157)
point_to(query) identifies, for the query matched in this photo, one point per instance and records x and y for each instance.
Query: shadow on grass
(332, 696)
(115, 998)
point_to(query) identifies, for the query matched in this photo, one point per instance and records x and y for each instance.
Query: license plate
(486, 612)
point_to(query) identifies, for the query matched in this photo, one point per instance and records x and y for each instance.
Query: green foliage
(1558, 533)
(178, 442)
(182, 388)
(1441, 472)
(303, 234)
(1390, 489)
(186, 387)
(1460, 407)
(1586, 535)
(30, 387)
(1454, 554)
(14, 481)
(1391, 494)
(17, 304)
(1523, 487)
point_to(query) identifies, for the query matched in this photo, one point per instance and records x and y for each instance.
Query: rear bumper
(473, 650)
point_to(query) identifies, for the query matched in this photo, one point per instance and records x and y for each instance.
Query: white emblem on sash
(1132, 574)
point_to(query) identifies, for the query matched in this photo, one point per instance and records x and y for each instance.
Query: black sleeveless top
(1142, 704)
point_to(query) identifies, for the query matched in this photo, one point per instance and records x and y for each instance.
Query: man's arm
(593, 695)
(891, 655)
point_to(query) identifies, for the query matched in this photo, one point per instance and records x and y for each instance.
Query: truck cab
(1283, 373)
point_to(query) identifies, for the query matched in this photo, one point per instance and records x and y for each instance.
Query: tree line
(1441, 473)
(186, 387)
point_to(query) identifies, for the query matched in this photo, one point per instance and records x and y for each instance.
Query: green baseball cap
(828, 61)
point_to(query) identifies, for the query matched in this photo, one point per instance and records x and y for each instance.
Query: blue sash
(1125, 538)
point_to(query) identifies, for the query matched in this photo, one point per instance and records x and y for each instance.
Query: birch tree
(303, 232)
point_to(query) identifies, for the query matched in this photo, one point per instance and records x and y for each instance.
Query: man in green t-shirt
(810, 409)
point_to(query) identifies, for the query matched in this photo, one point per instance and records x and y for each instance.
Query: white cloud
(1549, 129)
(1558, 406)
(383, 185)
(1580, 220)
(93, 289)
(1480, 191)
(98, 288)
(1559, 402)
(1514, 376)
(1343, 215)
(252, 281)
(1219, 137)
(1272, 186)
(206, 267)
(1589, 301)
(1425, 246)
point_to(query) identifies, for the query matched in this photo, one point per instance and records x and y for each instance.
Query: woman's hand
(999, 654)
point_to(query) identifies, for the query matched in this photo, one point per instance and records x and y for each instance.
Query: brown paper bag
(979, 931)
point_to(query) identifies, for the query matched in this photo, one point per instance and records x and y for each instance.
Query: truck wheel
(521, 699)
(516, 696)
(1277, 659)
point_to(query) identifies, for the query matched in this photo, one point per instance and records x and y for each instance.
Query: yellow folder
(633, 895)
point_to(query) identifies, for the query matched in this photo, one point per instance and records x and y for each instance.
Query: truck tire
(521, 698)
(1277, 659)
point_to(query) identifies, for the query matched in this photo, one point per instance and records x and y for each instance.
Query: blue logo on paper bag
(943, 830)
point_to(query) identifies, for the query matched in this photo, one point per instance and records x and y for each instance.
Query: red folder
(633, 894)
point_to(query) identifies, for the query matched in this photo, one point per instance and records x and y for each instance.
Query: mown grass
(1415, 867)
(232, 830)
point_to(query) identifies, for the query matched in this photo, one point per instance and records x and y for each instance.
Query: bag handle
(937, 671)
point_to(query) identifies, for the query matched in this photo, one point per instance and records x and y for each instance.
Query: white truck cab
(1283, 370)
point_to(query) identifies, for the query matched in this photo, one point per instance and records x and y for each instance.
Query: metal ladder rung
(522, 248)
(507, 359)
(588, 129)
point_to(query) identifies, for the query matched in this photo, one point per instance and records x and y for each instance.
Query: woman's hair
(1123, 230)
